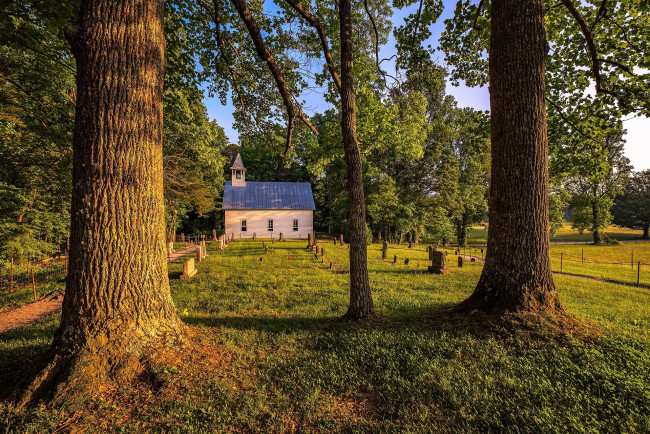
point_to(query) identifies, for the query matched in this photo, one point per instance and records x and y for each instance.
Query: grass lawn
(286, 362)
(478, 234)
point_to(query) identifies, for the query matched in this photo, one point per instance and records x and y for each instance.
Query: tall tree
(597, 177)
(517, 273)
(632, 207)
(118, 314)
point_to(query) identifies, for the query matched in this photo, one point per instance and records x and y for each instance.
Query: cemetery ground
(277, 357)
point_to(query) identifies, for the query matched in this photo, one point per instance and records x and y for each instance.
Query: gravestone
(406, 261)
(316, 250)
(205, 250)
(254, 235)
(331, 265)
(410, 244)
(460, 262)
(266, 250)
(395, 259)
(281, 236)
(310, 241)
(341, 239)
(322, 251)
(214, 235)
(170, 248)
(384, 250)
(430, 250)
(334, 240)
(199, 254)
(439, 263)
(188, 269)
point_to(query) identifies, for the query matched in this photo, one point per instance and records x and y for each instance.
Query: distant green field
(478, 234)
(289, 364)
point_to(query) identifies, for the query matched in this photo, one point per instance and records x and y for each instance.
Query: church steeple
(238, 172)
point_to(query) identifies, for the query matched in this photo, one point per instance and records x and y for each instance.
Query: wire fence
(32, 274)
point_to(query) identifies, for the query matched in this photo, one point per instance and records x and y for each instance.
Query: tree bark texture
(117, 309)
(517, 273)
(361, 304)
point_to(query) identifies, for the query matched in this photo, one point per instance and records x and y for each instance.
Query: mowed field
(478, 234)
(285, 362)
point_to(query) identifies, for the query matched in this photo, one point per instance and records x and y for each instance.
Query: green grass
(478, 234)
(287, 363)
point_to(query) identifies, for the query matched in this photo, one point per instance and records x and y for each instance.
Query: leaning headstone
(460, 262)
(188, 269)
(439, 263)
(170, 248)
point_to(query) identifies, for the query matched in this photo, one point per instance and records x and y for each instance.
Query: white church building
(267, 209)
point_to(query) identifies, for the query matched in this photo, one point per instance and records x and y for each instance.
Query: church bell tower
(238, 172)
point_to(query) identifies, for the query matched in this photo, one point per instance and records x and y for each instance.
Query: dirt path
(17, 317)
(176, 255)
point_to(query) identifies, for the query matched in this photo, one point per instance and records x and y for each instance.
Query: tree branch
(591, 46)
(313, 21)
(478, 14)
(265, 55)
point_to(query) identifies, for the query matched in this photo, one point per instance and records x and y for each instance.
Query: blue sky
(637, 148)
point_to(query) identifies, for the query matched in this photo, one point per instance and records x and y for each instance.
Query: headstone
(204, 249)
(406, 261)
(384, 250)
(199, 254)
(261, 258)
(316, 250)
(430, 250)
(460, 262)
(281, 236)
(341, 239)
(331, 265)
(395, 259)
(188, 269)
(310, 241)
(322, 251)
(473, 260)
(170, 248)
(266, 250)
(214, 235)
(254, 235)
(334, 240)
(439, 263)
(410, 244)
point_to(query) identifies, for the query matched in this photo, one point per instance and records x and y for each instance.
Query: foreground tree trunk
(598, 238)
(361, 304)
(517, 273)
(118, 314)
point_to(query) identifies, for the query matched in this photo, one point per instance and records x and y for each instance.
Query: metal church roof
(269, 195)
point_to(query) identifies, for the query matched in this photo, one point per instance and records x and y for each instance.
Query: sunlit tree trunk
(517, 273)
(361, 304)
(117, 310)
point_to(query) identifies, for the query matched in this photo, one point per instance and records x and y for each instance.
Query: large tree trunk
(598, 239)
(361, 304)
(517, 273)
(646, 232)
(118, 313)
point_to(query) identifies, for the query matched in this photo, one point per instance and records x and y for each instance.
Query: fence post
(33, 282)
(638, 273)
(561, 261)
(583, 255)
